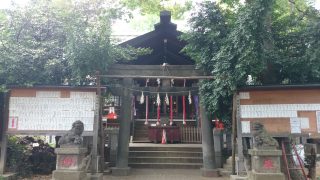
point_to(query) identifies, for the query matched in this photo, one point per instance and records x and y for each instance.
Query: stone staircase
(168, 156)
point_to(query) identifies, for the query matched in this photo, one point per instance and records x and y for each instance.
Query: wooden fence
(190, 135)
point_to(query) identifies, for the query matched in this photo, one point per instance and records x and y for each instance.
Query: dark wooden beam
(174, 91)
(156, 77)
(143, 71)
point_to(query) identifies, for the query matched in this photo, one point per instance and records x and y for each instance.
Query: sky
(121, 28)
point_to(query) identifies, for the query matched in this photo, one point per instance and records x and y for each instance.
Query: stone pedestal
(70, 164)
(218, 146)
(229, 142)
(265, 165)
(113, 144)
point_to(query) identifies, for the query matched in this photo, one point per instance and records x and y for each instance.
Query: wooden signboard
(284, 110)
(50, 110)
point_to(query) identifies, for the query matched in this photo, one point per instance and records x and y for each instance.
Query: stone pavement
(163, 174)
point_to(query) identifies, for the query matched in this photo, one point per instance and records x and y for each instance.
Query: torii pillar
(209, 168)
(122, 168)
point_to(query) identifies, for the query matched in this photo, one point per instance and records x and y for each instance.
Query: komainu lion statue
(73, 136)
(262, 140)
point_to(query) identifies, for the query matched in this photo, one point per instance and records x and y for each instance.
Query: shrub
(18, 157)
(26, 159)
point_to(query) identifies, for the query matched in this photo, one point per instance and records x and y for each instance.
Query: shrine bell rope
(158, 103)
(184, 105)
(147, 104)
(171, 105)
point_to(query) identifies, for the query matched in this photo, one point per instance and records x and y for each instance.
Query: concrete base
(120, 171)
(97, 176)
(236, 177)
(210, 172)
(266, 176)
(70, 175)
(9, 176)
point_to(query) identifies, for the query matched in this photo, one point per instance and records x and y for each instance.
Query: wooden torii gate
(126, 74)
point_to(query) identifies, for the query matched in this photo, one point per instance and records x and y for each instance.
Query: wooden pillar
(240, 163)
(209, 168)
(101, 136)
(234, 133)
(4, 138)
(122, 168)
(96, 159)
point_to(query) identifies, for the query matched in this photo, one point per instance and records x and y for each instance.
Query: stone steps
(168, 147)
(166, 156)
(165, 159)
(166, 165)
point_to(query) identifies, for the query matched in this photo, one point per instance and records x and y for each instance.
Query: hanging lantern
(167, 99)
(142, 98)
(112, 114)
(189, 98)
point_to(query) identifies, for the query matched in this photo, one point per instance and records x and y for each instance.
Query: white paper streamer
(142, 98)
(158, 81)
(189, 98)
(167, 99)
(158, 99)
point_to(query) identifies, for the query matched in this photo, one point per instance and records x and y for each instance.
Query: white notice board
(318, 121)
(295, 124)
(48, 111)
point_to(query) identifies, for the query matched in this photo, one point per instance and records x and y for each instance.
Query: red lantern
(112, 114)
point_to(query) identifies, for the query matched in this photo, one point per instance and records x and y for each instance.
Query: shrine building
(155, 100)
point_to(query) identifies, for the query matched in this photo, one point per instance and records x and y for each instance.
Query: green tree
(264, 39)
(58, 42)
(31, 45)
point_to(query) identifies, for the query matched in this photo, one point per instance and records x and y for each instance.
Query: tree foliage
(58, 42)
(153, 7)
(261, 39)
